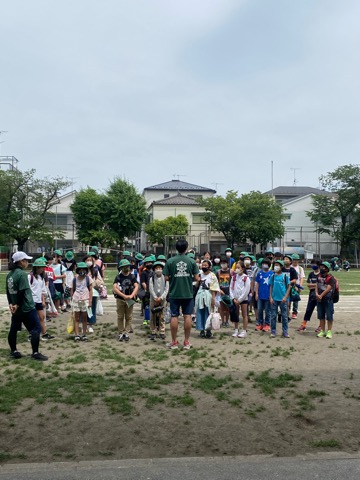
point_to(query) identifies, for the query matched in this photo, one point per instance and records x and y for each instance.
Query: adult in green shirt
(22, 307)
(181, 271)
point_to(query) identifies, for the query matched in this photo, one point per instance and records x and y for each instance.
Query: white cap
(18, 256)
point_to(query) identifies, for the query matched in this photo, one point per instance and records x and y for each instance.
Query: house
(300, 232)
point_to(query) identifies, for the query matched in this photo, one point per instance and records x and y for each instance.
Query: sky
(213, 92)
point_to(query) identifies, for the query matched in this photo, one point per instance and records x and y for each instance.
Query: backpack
(336, 293)
(87, 279)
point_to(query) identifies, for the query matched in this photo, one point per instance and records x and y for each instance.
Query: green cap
(69, 255)
(81, 265)
(228, 249)
(245, 254)
(191, 255)
(139, 257)
(58, 253)
(148, 259)
(124, 263)
(226, 300)
(152, 258)
(40, 262)
(253, 258)
(295, 256)
(260, 261)
(91, 254)
(280, 262)
(126, 253)
(326, 264)
(158, 264)
(161, 257)
(94, 249)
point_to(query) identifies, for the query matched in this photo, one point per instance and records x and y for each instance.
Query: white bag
(99, 308)
(213, 322)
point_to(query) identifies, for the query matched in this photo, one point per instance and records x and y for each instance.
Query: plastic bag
(103, 293)
(70, 324)
(216, 320)
(167, 315)
(99, 308)
(217, 300)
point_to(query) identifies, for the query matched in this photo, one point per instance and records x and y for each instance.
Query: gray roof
(179, 185)
(296, 191)
(176, 200)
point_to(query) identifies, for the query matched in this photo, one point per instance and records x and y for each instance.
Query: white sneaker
(236, 333)
(242, 334)
(90, 330)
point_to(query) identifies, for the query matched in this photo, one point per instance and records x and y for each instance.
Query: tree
(25, 203)
(337, 213)
(254, 217)
(171, 227)
(125, 210)
(88, 210)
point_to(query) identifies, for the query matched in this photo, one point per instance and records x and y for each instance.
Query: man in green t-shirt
(181, 271)
(21, 306)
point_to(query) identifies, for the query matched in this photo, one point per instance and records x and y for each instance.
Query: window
(287, 216)
(198, 218)
(166, 195)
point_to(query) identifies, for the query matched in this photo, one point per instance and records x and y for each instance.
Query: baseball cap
(18, 256)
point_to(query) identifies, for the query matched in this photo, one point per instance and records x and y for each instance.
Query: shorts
(325, 311)
(39, 306)
(59, 287)
(245, 302)
(186, 304)
(80, 306)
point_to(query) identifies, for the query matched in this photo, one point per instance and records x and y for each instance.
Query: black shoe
(208, 334)
(77, 338)
(162, 336)
(84, 338)
(202, 334)
(152, 337)
(39, 356)
(121, 337)
(126, 337)
(47, 336)
(15, 354)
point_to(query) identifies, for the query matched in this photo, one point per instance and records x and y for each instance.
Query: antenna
(216, 184)
(294, 170)
(178, 175)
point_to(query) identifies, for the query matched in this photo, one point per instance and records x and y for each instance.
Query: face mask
(238, 271)
(314, 267)
(89, 264)
(149, 266)
(204, 269)
(158, 272)
(82, 273)
(277, 268)
(241, 258)
(323, 271)
(125, 271)
(216, 260)
(265, 267)
(247, 262)
(224, 266)
(228, 254)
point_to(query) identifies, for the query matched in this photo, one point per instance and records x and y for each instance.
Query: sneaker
(321, 334)
(29, 338)
(227, 325)
(242, 334)
(258, 328)
(84, 338)
(145, 323)
(162, 336)
(318, 329)
(152, 337)
(187, 345)
(272, 334)
(90, 330)
(39, 356)
(294, 315)
(131, 330)
(68, 307)
(121, 337)
(126, 337)
(329, 334)
(286, 335)
(47, 336)
(266, 328)
(302, 327)
(223, 325)
(77, 338)
(173, 345)
(202, 334)
(15, 354)
(236, 333)
(208, 334)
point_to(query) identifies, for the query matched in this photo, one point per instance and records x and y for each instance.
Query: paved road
(327, 466)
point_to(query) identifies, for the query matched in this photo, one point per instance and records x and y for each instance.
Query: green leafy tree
(125, 210)
(170, 227)
(337, 213)
(88, 211)
(25, 204)
(254, 217)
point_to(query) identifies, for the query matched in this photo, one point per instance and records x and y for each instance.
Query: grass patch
(269, 384)
(210, 383)
(332, 443)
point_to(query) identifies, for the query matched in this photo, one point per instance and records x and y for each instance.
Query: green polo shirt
(181, 270)
(17, 281)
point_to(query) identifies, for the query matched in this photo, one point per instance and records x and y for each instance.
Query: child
(216, 263)
(312, 302)
(125, 288)
(324, 289)
(38, 291)
(239, 293)
(94, 273)
(70, 265)
(205, 297)
(81, 293)
(262, 295)
(279, 293)
(301, 277)
(159, 288)
(224, 278)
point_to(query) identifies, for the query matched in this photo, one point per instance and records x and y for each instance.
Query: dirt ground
(225, 397)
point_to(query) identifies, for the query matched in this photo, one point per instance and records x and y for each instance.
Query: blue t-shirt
(262, 278)
(280, 284)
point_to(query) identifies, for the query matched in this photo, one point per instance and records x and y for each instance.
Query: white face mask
(158, 273)
(247, 263)
(224, 266)
(89, 264)
(238, 271)
(228, 254)
(216, 260)
(265, 267)
(277, 268)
